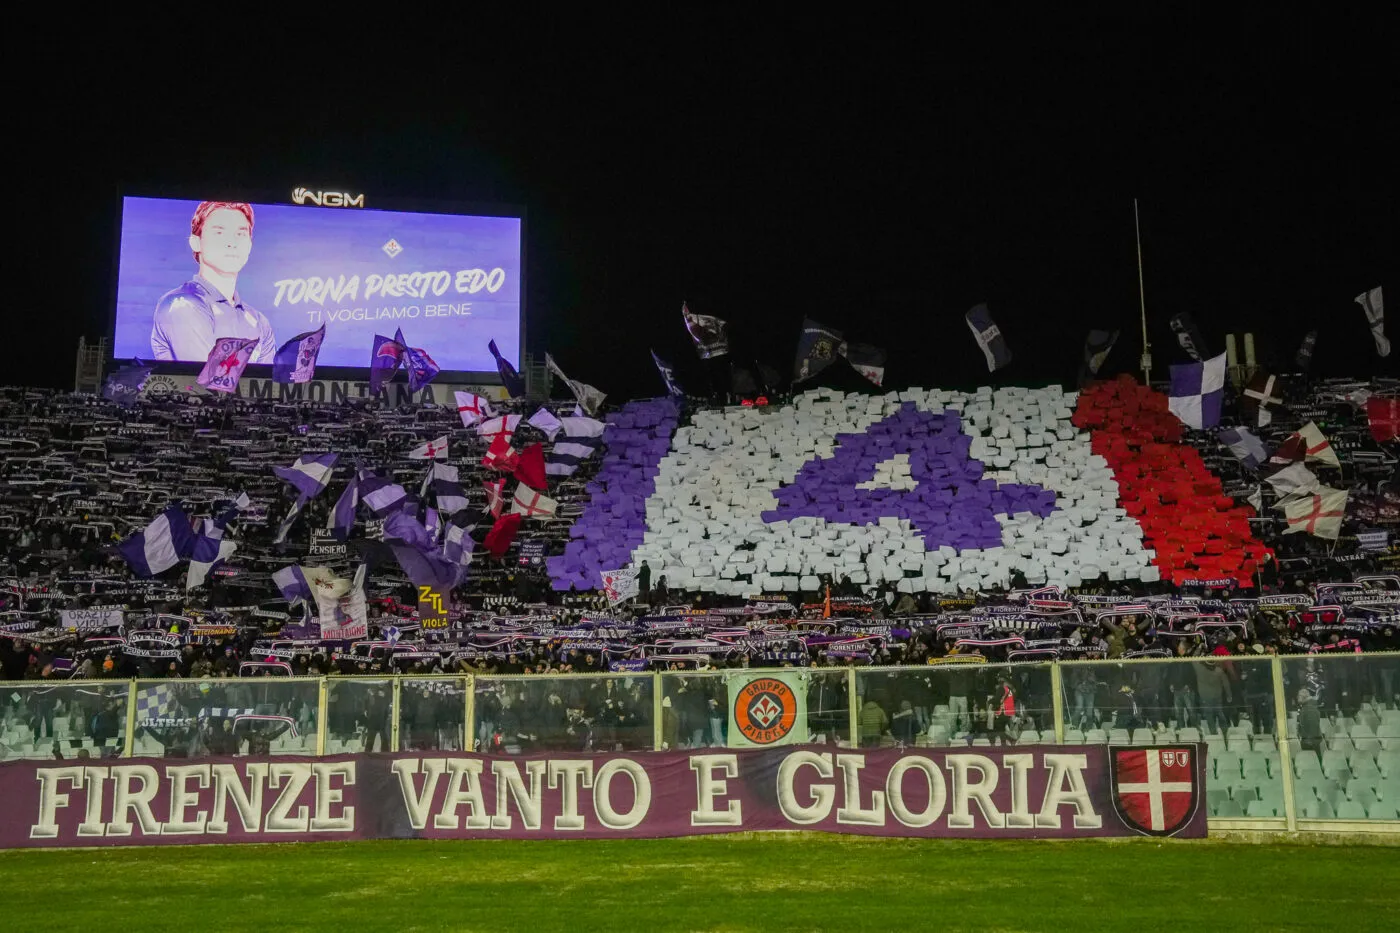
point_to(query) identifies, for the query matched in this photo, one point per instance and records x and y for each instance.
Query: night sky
(879, 186)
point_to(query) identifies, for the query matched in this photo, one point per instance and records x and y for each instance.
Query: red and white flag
(496, 497)
(1384, 416)
(492, 428)
(500, 455)
(1319, 514)
(532, 504)
(1316, 446)
(472, 407)
(433, 450)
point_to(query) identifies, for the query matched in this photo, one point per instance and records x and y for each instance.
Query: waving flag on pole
(502, 533)
(1316, 446)
(457, 545)
(1304, 356)
(530, 467)
(533, 504)
(495, 496)
(1247, 448)
(472, 407)
(1384, 417)
(433, 450)
(296, 359)
(500, 455)
(384, 360)
(342, 517)
(309, 476)
(160, 545)
(583, 437)
(1197, 391)
(1097, 346)
(446, 487)
(668, 375)
(588, 397)
(545, 420)
(1318, 514)
(817, 348)
(509, 377)
(381, 495)
(1261, 395)
(226, 363)
(1188, 335)
(988, 337)
(210, 547)
(124, 386)
(421, 367)
(867, 360)
(707, 333)
(1373, 304)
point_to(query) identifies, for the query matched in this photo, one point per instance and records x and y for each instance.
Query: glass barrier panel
(956, 704)
(522, 715)
(1227, 703)
(432, 711)
(62, 720)
(359, 715)
(694, 709)
(828, 707)
(1344, 735)
(226, 716)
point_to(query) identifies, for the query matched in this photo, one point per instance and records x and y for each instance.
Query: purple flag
(226, 363)
(383, 360)
(343, 515)
(509, 377)
(420, 366)
(296, 359)
(125, 385)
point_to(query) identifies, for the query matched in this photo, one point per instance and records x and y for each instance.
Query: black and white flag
(1305, 351)
(1097, 346)
(988, 337)
(1374, 305)
(1189, 336)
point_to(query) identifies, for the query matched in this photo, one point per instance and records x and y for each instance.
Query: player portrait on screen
(188, 319)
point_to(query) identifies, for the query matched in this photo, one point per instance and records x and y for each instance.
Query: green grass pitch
(772, 882)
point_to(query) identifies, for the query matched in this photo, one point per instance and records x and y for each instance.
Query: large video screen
(193, 271)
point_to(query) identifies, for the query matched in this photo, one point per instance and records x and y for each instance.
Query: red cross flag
(496, 497)
(492, 428)
(1315, 445)
(532, 504)
(1384, 415)
(433, 450)
(1155, 789)
(500, 455)
(472, 407)
(1319, 514)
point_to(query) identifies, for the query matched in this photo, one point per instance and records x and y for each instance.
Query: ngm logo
(327, 198)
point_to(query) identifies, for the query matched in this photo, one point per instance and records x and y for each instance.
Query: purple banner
(1034, 791)
(192, 271)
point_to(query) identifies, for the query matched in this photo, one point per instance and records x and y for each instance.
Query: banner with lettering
(1029, 791)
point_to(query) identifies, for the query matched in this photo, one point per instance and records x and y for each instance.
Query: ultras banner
(1034, 791)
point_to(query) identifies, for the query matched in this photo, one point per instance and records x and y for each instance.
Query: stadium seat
(1254, 765)
(1364, 738)
(1237, 742)
(1119, 737)
(1189, 734)
(1363, 795)
(1074, 737)
(1096, 737)
(1334, 764)
(1389, 763)
(1264, 742)
(1262, 808)
(1143, 737)
(1165, 736)
(1363, 768)
(1317, 810)
(1306, 763)
(1226, 765)
(1340, 743)
(1227, 808)
(1032, 737)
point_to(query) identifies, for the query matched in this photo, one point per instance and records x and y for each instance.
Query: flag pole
(1146, 361)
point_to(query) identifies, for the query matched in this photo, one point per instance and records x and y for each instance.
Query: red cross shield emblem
(1156, 791)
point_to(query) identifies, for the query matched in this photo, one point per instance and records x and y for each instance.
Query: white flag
(588, 397)
(1319, 514)
(619, 585)
(1316, 446)
(1373, 304)
(1294, 478)
(532, 504)
(544, 420)
(433, 450)
(472, 407)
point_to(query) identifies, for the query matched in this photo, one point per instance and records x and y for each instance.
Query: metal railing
(1300, 742)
